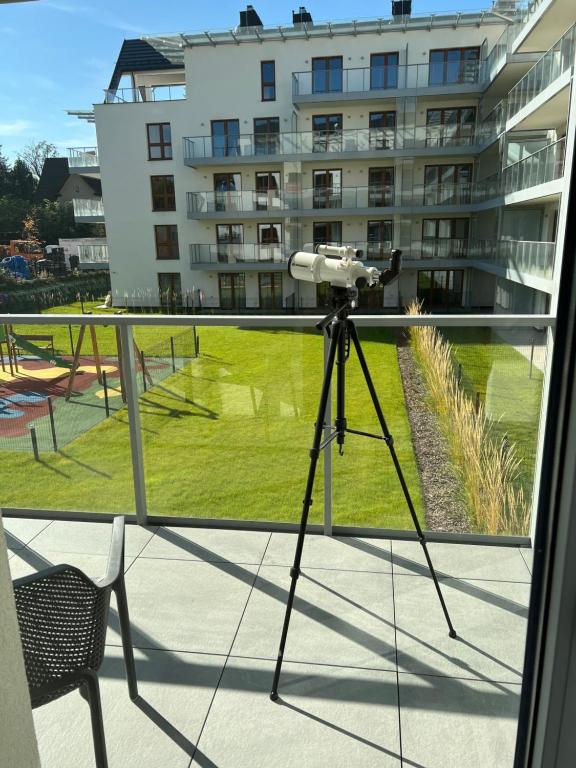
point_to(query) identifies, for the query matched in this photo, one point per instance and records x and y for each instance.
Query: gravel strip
(444, 510)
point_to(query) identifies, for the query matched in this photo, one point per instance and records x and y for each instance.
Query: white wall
(18, 747)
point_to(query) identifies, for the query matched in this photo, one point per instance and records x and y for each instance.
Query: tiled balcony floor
(371, 677)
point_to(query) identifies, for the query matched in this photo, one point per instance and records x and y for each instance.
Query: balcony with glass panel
(83, 160)
(439, 77)
(207, 457)
(93, 256)
(344, 144)
(519, 257)
(239, 255)
(88, 211)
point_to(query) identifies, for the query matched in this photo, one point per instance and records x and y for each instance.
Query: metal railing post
(131, 387)
(327, 454)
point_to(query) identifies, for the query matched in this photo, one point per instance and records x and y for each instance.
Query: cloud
(96, 15)
(15, 128)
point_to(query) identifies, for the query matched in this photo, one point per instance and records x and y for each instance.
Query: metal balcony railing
(88, 208)
(345, 140)
(534, 258)
(379, 80)
(238, 253)
(439, 194)
(173, 92)
(83, 157)
(93, 254)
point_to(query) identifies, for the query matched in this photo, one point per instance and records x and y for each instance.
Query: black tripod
(341, 331)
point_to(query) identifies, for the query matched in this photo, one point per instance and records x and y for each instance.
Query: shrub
(488, 467)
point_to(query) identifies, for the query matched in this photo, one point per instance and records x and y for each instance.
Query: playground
(47, 400)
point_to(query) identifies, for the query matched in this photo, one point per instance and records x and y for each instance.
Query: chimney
(401, 8)
(301, 16)
(249, 18)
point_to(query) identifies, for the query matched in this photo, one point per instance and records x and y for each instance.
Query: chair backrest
(63, 618)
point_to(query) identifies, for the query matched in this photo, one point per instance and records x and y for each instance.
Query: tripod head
(343, 302)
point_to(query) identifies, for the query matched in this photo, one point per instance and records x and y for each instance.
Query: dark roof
(54, 174)
(140, 56)
(94, 183)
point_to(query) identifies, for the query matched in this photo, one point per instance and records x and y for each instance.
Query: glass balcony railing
(281, 200)
(439, 248)
(440, 194)
(88, 208)
(380, 80)
(238, 253)
(93, 254)
(553, 63)
(173, 92)
(212, 416)
(346, 140)
(83, 157)
(534, 258)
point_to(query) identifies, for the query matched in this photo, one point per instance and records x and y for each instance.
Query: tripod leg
(314, 454)
(390, 444)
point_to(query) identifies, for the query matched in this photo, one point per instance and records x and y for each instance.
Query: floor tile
(489, 617)
(342, 718)
(339, 617)
(175, 694)
(345, 553)
(187, 605)
(463, 723)
(461, 561)
(208, 544)
(528, 556)
(30, 560)
(91, 538)
(19, 531)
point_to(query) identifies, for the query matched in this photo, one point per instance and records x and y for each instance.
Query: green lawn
(228, 436)
(512, 398)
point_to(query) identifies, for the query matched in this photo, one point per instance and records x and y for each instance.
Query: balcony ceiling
(367, 655)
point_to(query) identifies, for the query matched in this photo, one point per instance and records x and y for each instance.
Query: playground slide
(41, 353)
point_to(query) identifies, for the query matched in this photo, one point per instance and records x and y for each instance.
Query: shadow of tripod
(342, 333)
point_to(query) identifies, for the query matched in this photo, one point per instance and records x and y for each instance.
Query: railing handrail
(301, 321)
(422, 64)
(528, 157)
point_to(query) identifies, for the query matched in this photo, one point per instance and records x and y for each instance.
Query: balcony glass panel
(83, 157)
(88, 207)
(93, 254)
(489, 388)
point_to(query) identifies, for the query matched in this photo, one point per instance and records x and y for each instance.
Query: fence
(36, 298)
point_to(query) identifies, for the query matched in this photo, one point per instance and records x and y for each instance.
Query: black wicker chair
(63, 616)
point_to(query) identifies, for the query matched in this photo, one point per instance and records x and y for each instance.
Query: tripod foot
(274, 696)
(452, 633)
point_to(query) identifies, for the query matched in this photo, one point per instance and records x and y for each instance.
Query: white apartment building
(447, 136)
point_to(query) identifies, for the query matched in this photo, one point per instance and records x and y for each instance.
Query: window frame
(168, 243)
(328, 74)
(267, 84)
(387, 68)
(162, 144)
(276, 291)
(165, 195)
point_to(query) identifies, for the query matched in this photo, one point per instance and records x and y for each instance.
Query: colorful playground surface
(25, 396)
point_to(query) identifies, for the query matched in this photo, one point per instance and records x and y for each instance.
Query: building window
(232, 290)
(163, 194)
(379, 239)
(382, 129)
(327, 232)
(380, 187)
(170, 288)
(159, 141)
(270, 290)
(450, 126)
(268, 80)
(327, 133)
(227, 191)
(267, 190)
(327, 188)
(225, 138)
(327, 74)
(166, 237)
(447, 184)
(454, 65)
(444, 238)
(266, 135)
(383, 70)
(229, 243)
(440, 289)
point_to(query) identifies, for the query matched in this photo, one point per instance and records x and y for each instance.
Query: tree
(23, 184)
(34, 155)
(5, 185)
(12, 214)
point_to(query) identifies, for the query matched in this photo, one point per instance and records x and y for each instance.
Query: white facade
(222, 78)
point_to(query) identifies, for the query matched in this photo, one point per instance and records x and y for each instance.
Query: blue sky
(59, 54)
